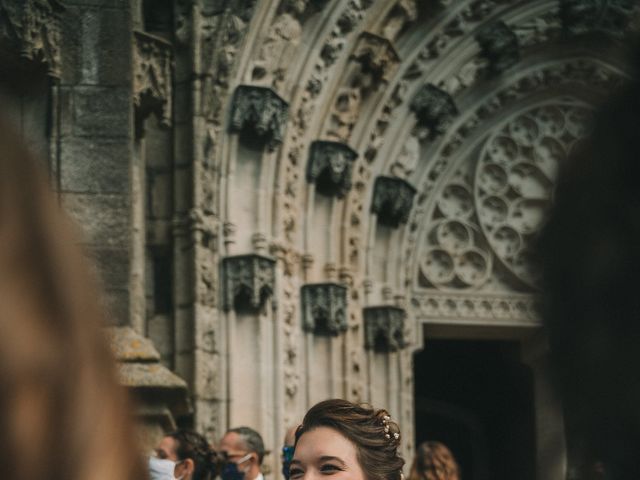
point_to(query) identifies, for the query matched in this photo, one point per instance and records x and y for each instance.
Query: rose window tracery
(486, 217)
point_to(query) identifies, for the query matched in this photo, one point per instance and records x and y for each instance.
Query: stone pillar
(551, 452)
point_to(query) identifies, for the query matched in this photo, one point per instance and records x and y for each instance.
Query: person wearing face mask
(183, 455)
(243, 451)
(287, 450)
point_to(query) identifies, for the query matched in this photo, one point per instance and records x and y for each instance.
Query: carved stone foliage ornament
(384, 328)
(377, 58)
(434, 108)
(249, 280)
(489, 212)
(32, 27)
(260, 111)
(499, 45)
(152, 65)
(324, 308)
(610, 16)
(392, 200)
(330, 167)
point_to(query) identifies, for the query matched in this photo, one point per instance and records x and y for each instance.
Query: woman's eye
(295, 472)
(328, 468)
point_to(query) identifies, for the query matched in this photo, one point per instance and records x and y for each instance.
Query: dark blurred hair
(192, 445)
(434, 461)
(251, 439)
(63, 415)
(590, 253)
(377, 449)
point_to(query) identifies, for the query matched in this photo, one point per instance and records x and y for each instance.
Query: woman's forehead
(324, 441)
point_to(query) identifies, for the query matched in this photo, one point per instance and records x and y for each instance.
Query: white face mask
(162, 469)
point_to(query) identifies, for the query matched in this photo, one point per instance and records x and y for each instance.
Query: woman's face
(323, 452)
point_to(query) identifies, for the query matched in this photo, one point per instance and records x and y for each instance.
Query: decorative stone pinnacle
(392, 200)
(324, 308)
(330, 167)
(260, 111)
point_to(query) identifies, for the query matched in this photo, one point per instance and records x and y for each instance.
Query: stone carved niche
(152, 80)
(384, 328)
(585, 16)
(324, 308)
(392, 200)
(499, 45)
(259, 111)
(32, 27)
(249, 280)
(434, 109)
(378, 60)
(330, 167)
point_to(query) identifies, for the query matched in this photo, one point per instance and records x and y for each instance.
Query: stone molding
(261, 111)
(392, 200)
(152, 76)
(330, 167)
(434, 108)
(249, 280)
(499, 45)
(384, 328)
(324, 308)
(33, 28)
(482, 309)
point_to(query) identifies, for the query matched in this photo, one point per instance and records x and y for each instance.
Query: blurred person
(63, 415)
(434, 461)
(243, 451)
(347, 441)
(590, 256)
(183, 455)
(288, 446)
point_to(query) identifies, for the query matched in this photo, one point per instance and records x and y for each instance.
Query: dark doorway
(477, 398)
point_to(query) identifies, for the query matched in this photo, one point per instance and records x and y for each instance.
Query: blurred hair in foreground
(62, 413)
(590, 252)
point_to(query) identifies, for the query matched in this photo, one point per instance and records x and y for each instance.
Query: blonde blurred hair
(434, 461)
(62, 413)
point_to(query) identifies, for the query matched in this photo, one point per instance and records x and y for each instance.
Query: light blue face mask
(162, 469)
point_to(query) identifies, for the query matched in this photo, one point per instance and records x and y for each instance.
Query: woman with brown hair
(348, 442)
(62, 414)
(434, 461)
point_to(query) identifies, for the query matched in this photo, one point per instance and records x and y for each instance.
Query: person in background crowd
(243, 450)
(287, 450)
(183, 455)
(434, 461)
(63, 415)
(348, 442)
(590, 257)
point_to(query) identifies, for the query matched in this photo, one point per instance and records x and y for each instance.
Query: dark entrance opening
(477, 398)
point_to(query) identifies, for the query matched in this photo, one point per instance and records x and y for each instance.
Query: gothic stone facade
(280, 195)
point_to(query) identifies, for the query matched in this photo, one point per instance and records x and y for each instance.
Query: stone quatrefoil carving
(249, 280)
(260, 112)
(330, 167)
(384, 328)
(392, 200)
(324, 308)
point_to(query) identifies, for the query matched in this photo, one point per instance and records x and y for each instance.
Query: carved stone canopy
(392, 200)
(152, 82)
(384, 328)
(330, 167)
(499, 45)
(324, 308)
(434, 108)
(610, 16)
(32, 28)
(377, 58)
(259, 111)
(249, 280)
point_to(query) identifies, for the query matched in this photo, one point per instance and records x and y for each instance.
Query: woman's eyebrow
(333, 459)
(296, 462)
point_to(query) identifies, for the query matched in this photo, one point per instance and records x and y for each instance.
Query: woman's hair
(190, 444)
(63, 415)
(375, 437)
(434, 461)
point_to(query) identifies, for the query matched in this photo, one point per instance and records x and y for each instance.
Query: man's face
(232, 447)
